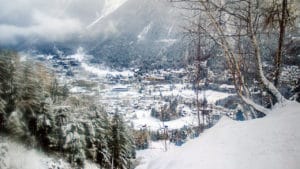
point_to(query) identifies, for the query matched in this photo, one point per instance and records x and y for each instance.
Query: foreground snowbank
(270, 142)
(16, 156)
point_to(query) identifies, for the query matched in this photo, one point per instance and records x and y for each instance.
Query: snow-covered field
(272, 142)
(144, 118)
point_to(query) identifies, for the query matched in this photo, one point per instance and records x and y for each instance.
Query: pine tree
(2, 102)
(54, 90)
(75, 144)
(2, 114)
(8, 80)
(121, 145)
(28, 100)
(102, 126)
(45, 126)
(65, 91)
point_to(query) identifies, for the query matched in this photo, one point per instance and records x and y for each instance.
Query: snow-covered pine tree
(45, 125)
(75, 144)
(28, 100)
(102, 128)
(2, 113)
(121, 145)
(2, 102)
(54, 90)
(56, 136)
(8, 87)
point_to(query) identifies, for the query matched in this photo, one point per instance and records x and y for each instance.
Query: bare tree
(231, 22)
(279, 16)
(199, 55)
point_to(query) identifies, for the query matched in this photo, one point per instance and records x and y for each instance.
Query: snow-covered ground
(145, 118)
(155, 149)
(16, 156)
(272, 142)
(144, 32)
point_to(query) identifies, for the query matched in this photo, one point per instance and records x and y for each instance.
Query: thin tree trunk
(198, 77)
(234, 67)
(266, 83)
(198, 110)
(278, 59)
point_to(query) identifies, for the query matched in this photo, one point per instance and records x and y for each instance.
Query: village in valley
(160, 103)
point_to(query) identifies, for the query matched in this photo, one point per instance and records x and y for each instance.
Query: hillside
(15, 156)
(270, 142)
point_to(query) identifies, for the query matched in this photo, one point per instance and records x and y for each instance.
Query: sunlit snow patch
(109, 7)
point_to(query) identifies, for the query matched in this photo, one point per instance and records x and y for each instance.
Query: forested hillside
(37, 112)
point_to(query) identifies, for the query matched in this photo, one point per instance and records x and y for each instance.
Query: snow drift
(270, 142)
(16, 156)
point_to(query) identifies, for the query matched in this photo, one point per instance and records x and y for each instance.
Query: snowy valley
(150, 84)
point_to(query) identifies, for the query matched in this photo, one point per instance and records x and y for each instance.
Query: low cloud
(34, 21)
(43, 27)
(55, 20)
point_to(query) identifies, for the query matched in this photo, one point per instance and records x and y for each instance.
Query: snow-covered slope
(16, 156)
(272, 142)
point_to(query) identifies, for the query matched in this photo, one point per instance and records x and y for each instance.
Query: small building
(120, 89)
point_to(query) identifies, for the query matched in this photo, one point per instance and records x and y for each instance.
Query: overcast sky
(61, 20)
(53, 20)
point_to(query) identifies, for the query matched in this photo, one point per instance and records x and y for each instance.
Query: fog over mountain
(109, 29)
(57, 20)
